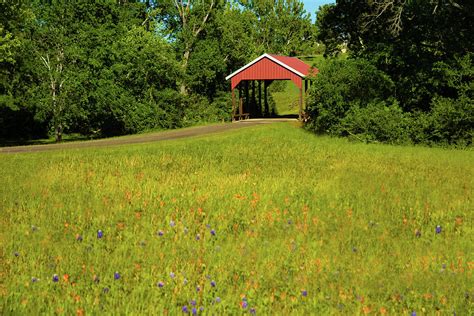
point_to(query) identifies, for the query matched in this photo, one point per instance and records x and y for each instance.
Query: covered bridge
(266, 69)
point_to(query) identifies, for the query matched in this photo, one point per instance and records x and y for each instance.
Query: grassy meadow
(266, 220)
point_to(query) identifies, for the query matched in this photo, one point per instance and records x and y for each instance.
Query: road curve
(144, 138)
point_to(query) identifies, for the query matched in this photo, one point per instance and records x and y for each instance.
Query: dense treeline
(112, 67)
(409, 77)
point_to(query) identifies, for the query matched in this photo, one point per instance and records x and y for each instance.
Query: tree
(185, 21)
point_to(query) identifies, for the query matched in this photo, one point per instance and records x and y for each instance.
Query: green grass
(292, 212)
(287, 101)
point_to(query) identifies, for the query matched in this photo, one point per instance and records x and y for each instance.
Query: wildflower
(66, 278)
(160, 233)
(172, 223)
(213, 283)
(172, 275)
(160, 284)
(193, 302)
(100, 234)
(34, 280)
(253, 311)
(201, 308)
(218, 299)
(116, 275)
(16, 254)
(304, 293)
(55, 278)
(185, 309)
(106, 290)
(78, 237)
(244, 304)
(198, 237)
(194, 311)
(213, 232)
(413, 313)
(198, 288)
(438, 229)
(417, 233)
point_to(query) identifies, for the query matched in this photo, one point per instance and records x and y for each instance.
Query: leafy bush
(198, 109)
(452, 121)
(341, 85)
(376, 122)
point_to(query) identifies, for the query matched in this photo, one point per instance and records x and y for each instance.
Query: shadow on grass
(42, 141)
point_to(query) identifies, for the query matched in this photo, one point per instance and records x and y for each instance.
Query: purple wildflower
(106, 290)
(172, 275)
(201, 308)
(213, 283)
(16, 254)
(172, 223)
(438, 229)
(116, 275)
(253, 311)
(304, 293)
(185, 309)
(193, 302)
(198, 237)
(244, 304)
(198, 288)
(218, 299)
(34, 280)
(194, 311)
(100, 234)
(160, 233)
(55, 278)
(213, 232)
(78, 237)
(160, 284)
(413, 313)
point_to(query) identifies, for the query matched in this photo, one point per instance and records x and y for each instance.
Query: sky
(312, 5)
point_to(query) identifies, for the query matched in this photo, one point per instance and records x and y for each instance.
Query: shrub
(377, 121)
(452, 121)
(341, 85)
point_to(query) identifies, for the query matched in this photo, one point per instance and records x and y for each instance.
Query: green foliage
(340, 85)
(452, 121)
(291, 212)
(376, 122)
(424, 47)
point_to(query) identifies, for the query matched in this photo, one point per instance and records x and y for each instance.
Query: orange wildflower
(66, 278)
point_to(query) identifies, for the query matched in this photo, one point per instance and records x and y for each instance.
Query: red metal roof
(272, 67)
(294, 63)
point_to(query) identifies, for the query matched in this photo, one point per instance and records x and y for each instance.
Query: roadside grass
(302, 224)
